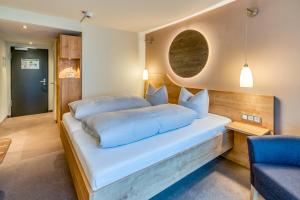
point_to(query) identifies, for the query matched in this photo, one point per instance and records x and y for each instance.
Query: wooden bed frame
(151, 180)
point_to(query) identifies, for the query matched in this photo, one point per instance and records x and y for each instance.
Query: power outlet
(250, 118)
(257, 119)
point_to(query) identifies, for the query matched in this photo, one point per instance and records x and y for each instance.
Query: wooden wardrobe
(68, 72)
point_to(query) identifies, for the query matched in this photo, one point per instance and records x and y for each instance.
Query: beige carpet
(35, 168)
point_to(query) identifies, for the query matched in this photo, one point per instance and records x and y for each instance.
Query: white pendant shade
(246, 78)
(145, 75)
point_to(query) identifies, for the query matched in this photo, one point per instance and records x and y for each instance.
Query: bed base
(149, 181)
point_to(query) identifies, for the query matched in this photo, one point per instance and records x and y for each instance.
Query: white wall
(3, 81)
(110, 62)
(273, 54)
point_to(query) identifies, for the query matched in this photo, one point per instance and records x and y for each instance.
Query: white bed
(104, 166)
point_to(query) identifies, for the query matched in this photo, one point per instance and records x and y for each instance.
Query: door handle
(43, 81)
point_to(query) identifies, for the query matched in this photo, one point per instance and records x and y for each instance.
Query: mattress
(104, 166)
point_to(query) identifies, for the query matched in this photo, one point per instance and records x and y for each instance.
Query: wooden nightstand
(239, 152)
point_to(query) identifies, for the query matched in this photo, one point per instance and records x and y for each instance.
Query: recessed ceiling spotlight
(30, 43)
(24, 26)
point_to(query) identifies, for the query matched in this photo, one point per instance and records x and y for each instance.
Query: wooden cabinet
(239, 152)
(68, 73)
(70, 47)
(69, 92)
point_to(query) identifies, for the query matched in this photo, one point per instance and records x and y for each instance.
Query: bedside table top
(247, 129)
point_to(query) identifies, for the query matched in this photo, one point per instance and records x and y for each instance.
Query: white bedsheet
(104, 166)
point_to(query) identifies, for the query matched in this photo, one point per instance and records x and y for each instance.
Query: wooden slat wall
(229, 104)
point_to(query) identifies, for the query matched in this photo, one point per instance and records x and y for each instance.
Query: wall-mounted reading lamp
(145, 78)
(145, 75)
(246, 77)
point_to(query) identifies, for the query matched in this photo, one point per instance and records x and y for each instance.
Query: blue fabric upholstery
(274, 149)
(275, 166)
(277, 182)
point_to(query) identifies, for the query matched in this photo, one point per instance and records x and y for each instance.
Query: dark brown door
(29, 81)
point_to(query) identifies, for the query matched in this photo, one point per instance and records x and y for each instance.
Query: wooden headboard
(229, 104)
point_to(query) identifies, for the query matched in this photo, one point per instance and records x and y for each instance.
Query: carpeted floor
(35, 168)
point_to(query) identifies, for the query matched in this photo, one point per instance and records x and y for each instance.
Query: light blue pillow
(157, 96)
(84, 108)
(198, 102)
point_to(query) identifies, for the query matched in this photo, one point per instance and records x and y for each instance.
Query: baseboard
(2, 120)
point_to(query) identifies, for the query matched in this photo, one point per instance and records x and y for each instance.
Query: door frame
(51, 73)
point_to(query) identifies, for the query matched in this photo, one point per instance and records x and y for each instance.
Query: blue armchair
(275, 167)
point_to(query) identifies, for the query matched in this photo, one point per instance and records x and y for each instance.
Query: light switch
(244, 116)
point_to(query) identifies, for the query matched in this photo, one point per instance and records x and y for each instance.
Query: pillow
(157, 96)
(198, 102)
(84, 108)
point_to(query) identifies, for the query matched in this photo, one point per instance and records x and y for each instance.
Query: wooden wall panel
(229, 104)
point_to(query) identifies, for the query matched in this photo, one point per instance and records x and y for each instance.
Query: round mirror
(188, 53)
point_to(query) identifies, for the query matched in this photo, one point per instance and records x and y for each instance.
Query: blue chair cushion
(277, 182)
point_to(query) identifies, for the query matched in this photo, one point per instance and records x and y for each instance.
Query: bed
(143, 169)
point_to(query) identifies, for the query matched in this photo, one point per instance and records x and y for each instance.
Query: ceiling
(13, 32)
(131, 15)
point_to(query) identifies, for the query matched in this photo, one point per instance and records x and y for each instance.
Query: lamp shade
(145, 75)
(246, 78)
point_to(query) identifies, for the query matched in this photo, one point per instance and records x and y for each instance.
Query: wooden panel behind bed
(229, 104)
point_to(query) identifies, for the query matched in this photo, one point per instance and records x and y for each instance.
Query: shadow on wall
(277, 117)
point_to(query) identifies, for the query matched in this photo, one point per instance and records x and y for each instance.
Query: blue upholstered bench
(275, 167)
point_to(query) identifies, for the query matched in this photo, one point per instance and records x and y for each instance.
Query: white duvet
(113, 129)
(104, 166)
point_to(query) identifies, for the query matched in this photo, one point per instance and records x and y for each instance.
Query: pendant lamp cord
(246, 38)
